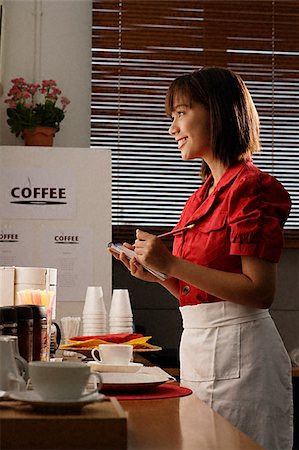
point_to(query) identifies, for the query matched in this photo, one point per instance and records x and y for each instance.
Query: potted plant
(35, 110)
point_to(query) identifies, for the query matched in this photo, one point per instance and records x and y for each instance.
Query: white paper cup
(94, 321)
(116, 330)
(94, 326)
(119, 316)
(93, 292)
(121, 325)
(120, 304)
(61, 380)
(95, 330)
(120, 354)
(94, 301)
(94, 316)
(120, 321)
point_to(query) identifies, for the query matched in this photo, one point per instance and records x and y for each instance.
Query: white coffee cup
(61, 380)
(115, 354)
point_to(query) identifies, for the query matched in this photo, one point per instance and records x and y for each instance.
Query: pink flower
(64, 101)
(18, 80)
(18, 95)
(33, 88)
(40, 99)
(12, 103)
(56, 91)
(48, 83)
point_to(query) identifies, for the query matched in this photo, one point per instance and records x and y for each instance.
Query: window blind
(140, 46)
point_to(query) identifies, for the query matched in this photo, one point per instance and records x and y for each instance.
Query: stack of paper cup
(94, 312)
(121, 316)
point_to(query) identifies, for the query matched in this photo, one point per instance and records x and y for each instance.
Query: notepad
(119, 248)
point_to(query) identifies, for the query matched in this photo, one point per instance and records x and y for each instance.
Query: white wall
(50, 39)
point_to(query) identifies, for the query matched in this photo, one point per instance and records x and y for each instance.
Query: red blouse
(244, 216)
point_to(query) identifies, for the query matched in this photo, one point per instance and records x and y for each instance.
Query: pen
(188, 227)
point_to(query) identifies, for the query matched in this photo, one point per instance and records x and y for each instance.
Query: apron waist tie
(218, 314)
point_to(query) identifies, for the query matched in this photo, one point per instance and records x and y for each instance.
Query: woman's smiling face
(191, 129)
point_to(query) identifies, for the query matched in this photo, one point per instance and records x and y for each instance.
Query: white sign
(31, 193)
(69, 249)
(17, 245)
(55, 211)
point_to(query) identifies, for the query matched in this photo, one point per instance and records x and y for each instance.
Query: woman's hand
(136, 269)
(152, 252)
(133, 266)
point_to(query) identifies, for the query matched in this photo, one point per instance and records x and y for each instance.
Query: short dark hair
(233, 116)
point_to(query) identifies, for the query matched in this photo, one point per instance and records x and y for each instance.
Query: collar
(227, 178)
(231, 173)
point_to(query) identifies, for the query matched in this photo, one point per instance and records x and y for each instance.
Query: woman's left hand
(152, 252)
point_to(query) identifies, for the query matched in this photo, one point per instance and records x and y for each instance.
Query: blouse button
(186, 289)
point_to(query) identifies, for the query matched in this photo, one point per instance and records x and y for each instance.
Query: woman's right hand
(133, 265)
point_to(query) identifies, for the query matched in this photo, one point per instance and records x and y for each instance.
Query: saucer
(33, 399)
(4, 395)
(124, 368)
(132, 381)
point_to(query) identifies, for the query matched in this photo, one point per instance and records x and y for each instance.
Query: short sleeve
(259, 206)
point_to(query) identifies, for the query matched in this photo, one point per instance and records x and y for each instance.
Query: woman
(223, 266)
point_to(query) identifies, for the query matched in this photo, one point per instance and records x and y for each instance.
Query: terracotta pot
(39, 136)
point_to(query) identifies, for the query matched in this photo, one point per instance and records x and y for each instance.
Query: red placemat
(164, 391)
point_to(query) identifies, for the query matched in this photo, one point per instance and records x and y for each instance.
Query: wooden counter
(183, 423)
(100, 425)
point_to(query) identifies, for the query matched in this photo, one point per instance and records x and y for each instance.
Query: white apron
(233, 358)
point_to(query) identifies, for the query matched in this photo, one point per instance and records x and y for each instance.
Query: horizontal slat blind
(139, 47)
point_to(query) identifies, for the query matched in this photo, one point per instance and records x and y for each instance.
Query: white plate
(101, 367)
(32, 398)
(132, 381)
(4, 395)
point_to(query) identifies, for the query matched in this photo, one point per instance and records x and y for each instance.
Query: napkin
(115, 338)
(137, 340)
